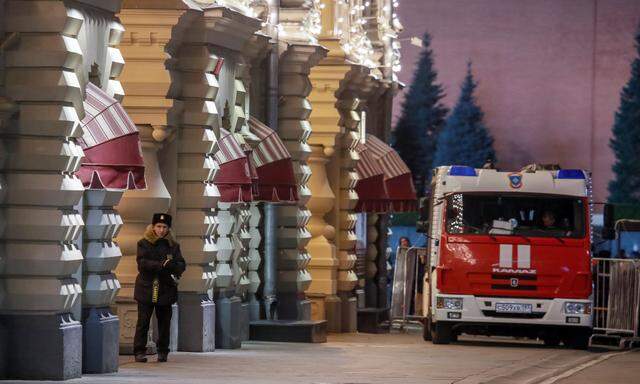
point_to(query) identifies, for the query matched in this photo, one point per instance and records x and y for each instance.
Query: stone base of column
(370, 320)
(349, 312)
(293, 306)
(292, 331)
(100, 340)
(333, 306)
(43, 347)
(254, 309)
(228, 322)
(196, 323)
(244, 321)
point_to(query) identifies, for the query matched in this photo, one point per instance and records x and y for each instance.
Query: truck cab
(509, 254)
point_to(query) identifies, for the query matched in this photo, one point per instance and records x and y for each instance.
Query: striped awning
(397, 176)
(111, 144)
(233, 179)
(276, 181)
(371, 189)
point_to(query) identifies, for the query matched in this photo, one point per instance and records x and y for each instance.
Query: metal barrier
(616, 303)
(404, 292)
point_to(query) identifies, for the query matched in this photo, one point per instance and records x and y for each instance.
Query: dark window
(515, 214)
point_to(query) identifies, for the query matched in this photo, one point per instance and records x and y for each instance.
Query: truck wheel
(426, 329)
(551, 340)
(577, 339)
(441, 333)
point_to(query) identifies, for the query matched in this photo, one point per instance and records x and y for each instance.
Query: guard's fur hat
(161, 218)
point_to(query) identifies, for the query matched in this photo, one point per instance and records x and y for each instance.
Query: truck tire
(551, 340)
(426, 329)
(577, 339)
(441, 333)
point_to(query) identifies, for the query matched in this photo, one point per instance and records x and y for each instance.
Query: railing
(616, 302)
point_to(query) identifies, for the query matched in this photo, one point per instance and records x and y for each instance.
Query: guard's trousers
(163, 314)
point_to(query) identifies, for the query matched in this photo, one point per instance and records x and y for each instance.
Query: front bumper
(548, 312)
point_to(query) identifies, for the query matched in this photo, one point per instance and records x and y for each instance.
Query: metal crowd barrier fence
(406, 301)
(616, 303)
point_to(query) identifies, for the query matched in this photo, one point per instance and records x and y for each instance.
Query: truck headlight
(452, 303)
(573, 308)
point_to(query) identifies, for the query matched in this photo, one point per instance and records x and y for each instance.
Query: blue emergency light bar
(461, 170)
(576, 174)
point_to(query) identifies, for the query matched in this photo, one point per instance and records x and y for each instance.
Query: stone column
(39, 224)
(232, 320)
(382, 247)
(371, 265)
(99, 285)
(255, 259)
(293, 236)
(102, 222)
(347, 199)
(241, 265)
(325, 304)
(227, 303)
(147, 83)
(195, 117)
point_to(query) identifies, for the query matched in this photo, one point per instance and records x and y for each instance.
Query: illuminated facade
(197, 74)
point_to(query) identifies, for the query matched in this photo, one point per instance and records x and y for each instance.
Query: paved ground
(389, 359)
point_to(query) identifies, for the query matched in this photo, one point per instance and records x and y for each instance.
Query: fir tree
(625, 143)
(422, 119)
(465, 139)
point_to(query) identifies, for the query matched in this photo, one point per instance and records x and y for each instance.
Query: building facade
(206, 83)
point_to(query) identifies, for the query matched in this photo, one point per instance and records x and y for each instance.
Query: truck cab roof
(566, 182)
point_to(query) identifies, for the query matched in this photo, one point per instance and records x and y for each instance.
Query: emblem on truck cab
(514, 282)
(515, 180)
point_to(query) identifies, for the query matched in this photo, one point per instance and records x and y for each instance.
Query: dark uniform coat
(156, 284)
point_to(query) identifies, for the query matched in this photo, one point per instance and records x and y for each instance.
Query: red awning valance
(397, 176)
(276, 181)
(371, 189)
(233, 179)
(111, 144)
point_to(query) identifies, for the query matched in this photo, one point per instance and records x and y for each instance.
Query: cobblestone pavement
(388, 358)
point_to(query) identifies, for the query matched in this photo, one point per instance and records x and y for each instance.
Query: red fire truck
(509, 254)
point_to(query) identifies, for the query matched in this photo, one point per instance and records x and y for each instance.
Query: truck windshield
(515, 215)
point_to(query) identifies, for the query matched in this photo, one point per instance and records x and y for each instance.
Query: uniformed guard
(160, 265)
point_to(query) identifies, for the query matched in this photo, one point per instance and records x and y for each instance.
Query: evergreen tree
(422, 119)
(625, 187)
(465, 139)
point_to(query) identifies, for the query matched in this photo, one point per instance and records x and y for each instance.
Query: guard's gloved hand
(169, 264)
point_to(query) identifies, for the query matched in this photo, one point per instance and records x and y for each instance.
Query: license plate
(513, 308)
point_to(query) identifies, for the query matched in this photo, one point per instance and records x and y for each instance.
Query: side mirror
(608, 222)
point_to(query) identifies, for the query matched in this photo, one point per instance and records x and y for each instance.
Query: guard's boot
(140, 358)
(162, 357)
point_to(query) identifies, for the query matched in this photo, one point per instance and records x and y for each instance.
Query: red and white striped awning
(276, 181)
(371, 189)
(233, 179)
(111, 144)
(397, 176)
